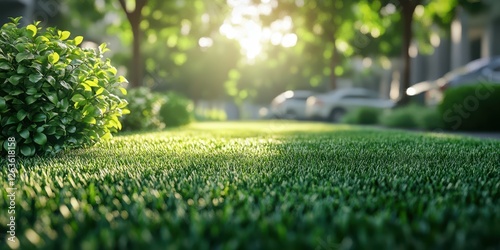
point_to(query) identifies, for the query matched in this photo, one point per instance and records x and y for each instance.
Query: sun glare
(244, 25)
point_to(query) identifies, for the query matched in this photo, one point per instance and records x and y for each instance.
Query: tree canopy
(254, 49)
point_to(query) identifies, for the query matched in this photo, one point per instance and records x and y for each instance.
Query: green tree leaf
(34, 78)
(40, 138)
(24, 134)
(14, 79)
(21, 114)
(31, 91)
(5, 65)
(78, 40)
(27, 150)
(3, 104)
(24, 56)
(78, 98)
(63, 35)
(54, 57)
(90, 120)
(40, 117)
(32, 28)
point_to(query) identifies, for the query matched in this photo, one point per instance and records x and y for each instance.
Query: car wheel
(336, 115)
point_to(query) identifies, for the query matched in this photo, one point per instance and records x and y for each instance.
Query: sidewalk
(482, 135)
(479, 135)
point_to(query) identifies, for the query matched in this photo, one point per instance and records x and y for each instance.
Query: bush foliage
(402, 117)
(177, 110)
(212, 114)
(363, 115)
(472, 107)
(54, 94)
(144, 108)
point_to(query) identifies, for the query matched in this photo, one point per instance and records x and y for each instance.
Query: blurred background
(233, 58)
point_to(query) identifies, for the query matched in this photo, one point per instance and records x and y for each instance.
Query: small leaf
(90, 120)
(21, 70)
(71, 129)
(14, 79)
(99, 91)
(52, 98)
(107, 136)
(34, 78)
(20, 47)
(24, 56)
(125, 111)
(44, 38)
(53, 58)
(24, 134)
(103, 48)
(31, 91)
(40, 117)
(51, 80)
(32, 28)
(88, 109)
(3, 104)
(122, 79)
(77, 98)
(86, 87)
(11, 120)
(21, 114)
(112, 70)
(40, 138)
(78, 40)
(4, 65)
(93, 83)
(124, 91)
(65, 85)
(28, 150)
(64, 35)
(30, 99)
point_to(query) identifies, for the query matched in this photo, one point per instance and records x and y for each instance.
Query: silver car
(484, 70)
(290, 104)
(333, 105)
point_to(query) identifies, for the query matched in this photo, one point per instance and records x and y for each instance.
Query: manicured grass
(263, 185)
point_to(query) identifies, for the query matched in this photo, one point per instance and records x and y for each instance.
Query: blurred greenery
(238, 50)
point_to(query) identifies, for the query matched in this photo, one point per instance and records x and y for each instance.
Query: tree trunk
(333, 64)
(136, 70)
(407, 9)
(137, 65)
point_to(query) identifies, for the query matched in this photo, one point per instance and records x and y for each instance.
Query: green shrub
(403, 117)
(54, 94)
(144, 109)
(210, 115)
(363, 115)
(472, 107)
(177, 110)
(429, 119)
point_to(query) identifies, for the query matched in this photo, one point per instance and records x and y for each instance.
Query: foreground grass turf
(273, 185)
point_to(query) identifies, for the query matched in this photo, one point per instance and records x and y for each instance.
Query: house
(471, 37)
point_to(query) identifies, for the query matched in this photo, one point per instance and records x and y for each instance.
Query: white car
(290, 104)
(333, 105)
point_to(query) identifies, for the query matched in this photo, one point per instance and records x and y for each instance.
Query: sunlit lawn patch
(271, 184)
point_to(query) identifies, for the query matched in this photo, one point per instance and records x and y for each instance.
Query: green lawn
(269, 184)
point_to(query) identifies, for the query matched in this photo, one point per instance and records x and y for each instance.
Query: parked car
(290, 104)
(484, 70)
(333, 105)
